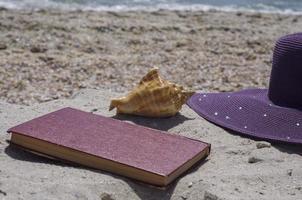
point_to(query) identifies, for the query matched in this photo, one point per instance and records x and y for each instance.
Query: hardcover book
(145, 154)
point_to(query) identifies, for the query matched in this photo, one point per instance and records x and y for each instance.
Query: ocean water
(280, 6)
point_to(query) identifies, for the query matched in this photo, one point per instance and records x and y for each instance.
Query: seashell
(152, 97)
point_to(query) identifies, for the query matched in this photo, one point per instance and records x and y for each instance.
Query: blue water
(283, 6)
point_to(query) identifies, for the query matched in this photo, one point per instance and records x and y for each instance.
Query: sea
(274, 6)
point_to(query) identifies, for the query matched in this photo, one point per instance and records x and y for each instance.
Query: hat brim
(250, 112)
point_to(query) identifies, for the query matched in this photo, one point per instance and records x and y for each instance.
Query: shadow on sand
(143, 191)
(19, 153)
(285, 147)
(163, 124)
(147, 192)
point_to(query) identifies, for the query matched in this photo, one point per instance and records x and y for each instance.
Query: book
(148, 155)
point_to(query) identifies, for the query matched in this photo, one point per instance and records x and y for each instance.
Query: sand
(46, 55)
(50, 59)
(238, 167)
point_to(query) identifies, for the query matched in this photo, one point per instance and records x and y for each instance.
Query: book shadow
(19, 153)
(143, 190)
(147, 192)
(16, 152)
(163, 123)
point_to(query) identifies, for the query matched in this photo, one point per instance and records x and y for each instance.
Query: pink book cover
(137, 146)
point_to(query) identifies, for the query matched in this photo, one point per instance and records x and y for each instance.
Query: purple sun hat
(273, 114)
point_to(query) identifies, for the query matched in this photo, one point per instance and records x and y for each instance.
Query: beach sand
(48, 60)
(238, 168)
(47, 55)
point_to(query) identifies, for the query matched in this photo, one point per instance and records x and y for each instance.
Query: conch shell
(152, 97)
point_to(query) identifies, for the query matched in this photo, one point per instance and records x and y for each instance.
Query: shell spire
(152, 97)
